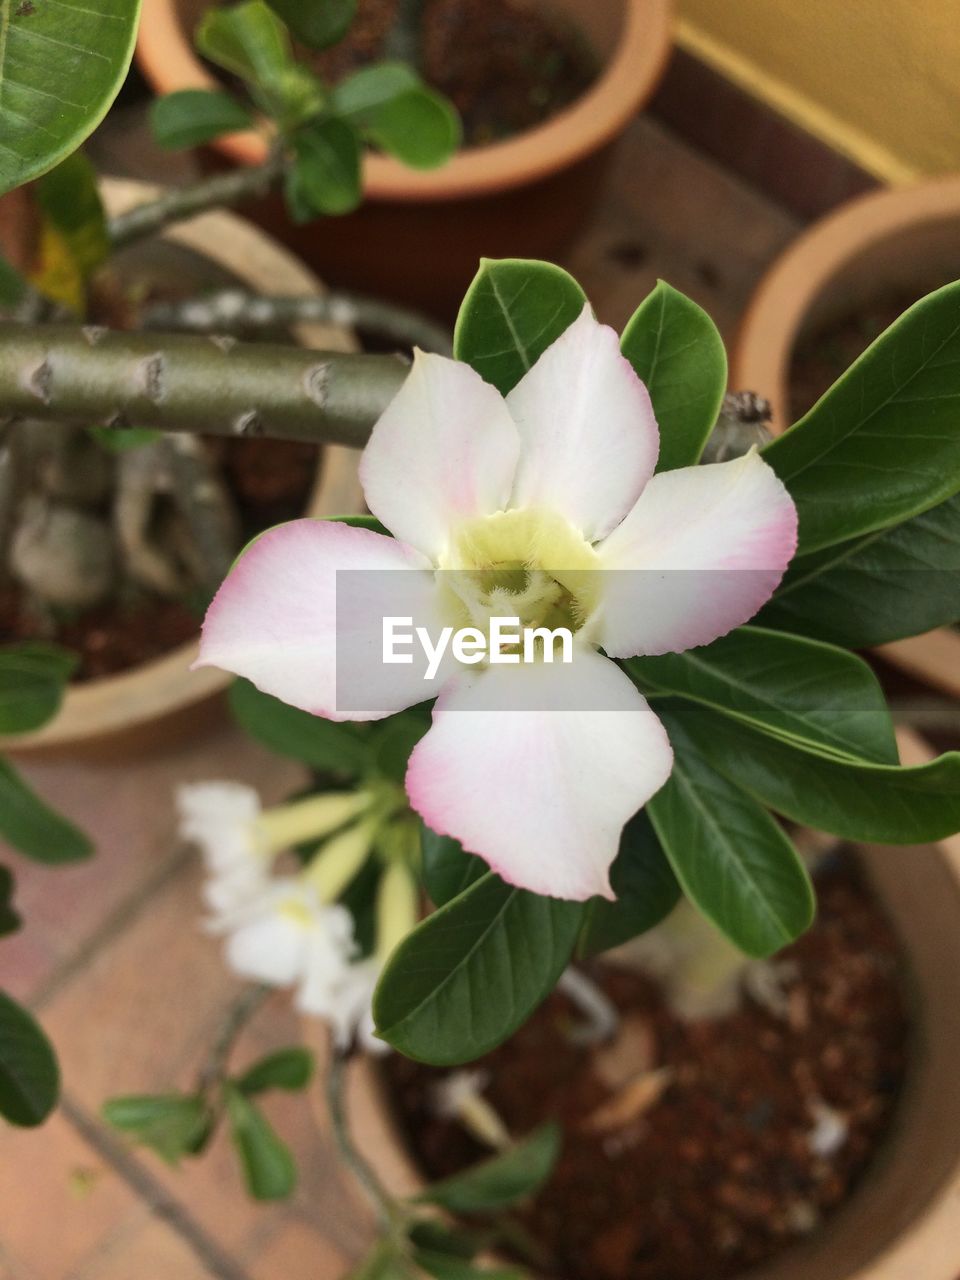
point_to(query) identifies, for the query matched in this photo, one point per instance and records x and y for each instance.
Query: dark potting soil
(506, 67)
(720, 1170)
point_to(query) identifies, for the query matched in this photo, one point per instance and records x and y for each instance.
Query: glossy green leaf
(10, 921)
(677, 351)
(13, 286)
(61, 66)
(883, 444)
(29, 1075)
(286, 1069)
(473, 972)
(447, 870)
(191, 117)
(32, 827)
(874, 803)
(322, 744)
(324, 179)
(734, 861)
(512, 312)
(419, 127)
(393, 741)
(70, 200)
(800, 690)
(373, 86)
(268, 1167)
(646, 891)
(501, 1180)
(884, 586)
(247, 39)
(316, 23)
(32, 680)
(173, 1125)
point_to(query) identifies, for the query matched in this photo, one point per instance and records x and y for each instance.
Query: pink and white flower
(555, 482)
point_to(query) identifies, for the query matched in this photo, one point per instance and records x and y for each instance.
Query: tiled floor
(111, 957)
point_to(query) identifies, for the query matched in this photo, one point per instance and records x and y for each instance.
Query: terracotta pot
(906, 239)
(419, 236)
(901, 1223)
(161, 697)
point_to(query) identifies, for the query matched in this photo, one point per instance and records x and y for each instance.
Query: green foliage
(247, 39)
(324, 177)
(9, 920)
(676, 350)
(191, 117)
(268, 1167)
(646, 889)
(323, 744)
(29, 1075)
(316, 23)
(70, 200)
(395, 111)
(32, 827)
(13, 287)
(173, 1125)
(502, 1180)
(61, 66)
(290, 1069)
(447, 870)
(32, 681)
(114, 441)
(512, 312)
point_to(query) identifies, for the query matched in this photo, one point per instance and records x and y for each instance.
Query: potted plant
(419, 234)
(825, 298)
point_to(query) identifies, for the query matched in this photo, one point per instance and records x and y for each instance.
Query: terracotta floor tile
(152, 1251)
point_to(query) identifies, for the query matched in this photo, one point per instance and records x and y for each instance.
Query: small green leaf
(173, 1125)
(362, 522)
(882, 445)
(286, 1069)
(393, 741)
(733, 860)
(373, 86)
(13, 286)
(246, 39)
(447, 870)
(322, 744)
(316, 23)
(33, 828)
(32, 680)
(324, 179)
(512, 312)
(191, 117)
(441, 1266)
(502, 1180)
(116, 440)
(677, 351)
(10, 922)
(268, 1167)
(29, 1075)
(471, 973)
(646, 889)
(419, 127)
(435, 1237)
(70, 199)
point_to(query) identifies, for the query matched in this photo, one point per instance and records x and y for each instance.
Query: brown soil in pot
(719, 1172)
(506, 68)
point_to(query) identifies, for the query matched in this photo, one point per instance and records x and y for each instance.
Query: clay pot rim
(169, 63)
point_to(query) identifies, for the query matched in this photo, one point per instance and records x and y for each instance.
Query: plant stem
(388, 1211)
(235, 311)
(213, 386)
(236, 1018)
(220, 191)
(600, 1018)
(404, 40)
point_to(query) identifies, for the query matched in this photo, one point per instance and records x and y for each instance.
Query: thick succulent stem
(178, 382)
(235, 311)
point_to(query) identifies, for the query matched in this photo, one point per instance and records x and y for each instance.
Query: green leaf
(33, 828)
(268, 1167)
(61, 66)
(114, 441)
(316, 23)
(799, 690)
(10, 922)
(29, 1075)
(13, 286)
(324, 179)
(322, 744)
(441, 1266)
(190, 117)
(419, 127)
(32, 679)
(502, 1180)
(677, 351)
(393, 741)
(246, 39)
(883, 444)
(874, 803)
(646, 889)
(173, 1125)
(732, 859)
(70, 199)
(881, 587)
(286, 1069)
(471, 973)
(372, 87)
(512, 312)
(362, 522)
(447, 870)
(435, 1237)
(384, 1262)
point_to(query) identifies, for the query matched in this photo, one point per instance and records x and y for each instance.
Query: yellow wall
(877, 79)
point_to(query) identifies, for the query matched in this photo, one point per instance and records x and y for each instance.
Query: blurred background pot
(889, 245)
(419, 235)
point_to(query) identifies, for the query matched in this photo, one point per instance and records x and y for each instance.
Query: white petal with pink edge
(589, 435)
(275, 618)
(541, 795)
(701, 552)
(445, 450)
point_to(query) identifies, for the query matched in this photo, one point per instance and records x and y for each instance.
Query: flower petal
(540, 793)
(701, 552)
(590, 438)
(445, 450)
(312, 591)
